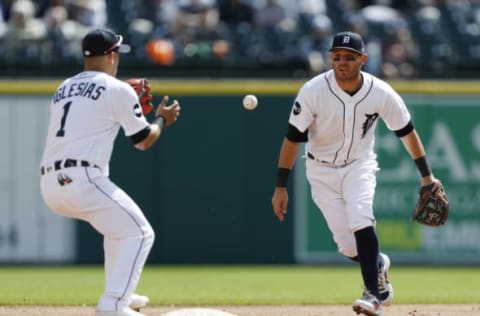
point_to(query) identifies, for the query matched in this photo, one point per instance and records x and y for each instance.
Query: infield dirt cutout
(317, 310)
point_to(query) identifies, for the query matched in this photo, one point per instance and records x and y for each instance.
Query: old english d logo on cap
(348, 40)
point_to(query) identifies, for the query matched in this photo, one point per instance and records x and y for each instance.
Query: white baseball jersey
(87, 112)
(341, 164)
(341, 127)
(100, 104)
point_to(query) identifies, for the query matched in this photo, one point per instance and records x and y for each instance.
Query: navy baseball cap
(102, 42)
(348, 40)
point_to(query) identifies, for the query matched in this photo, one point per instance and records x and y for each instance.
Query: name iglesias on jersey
(84, 89)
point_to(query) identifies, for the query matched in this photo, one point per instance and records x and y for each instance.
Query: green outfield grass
(237, 285)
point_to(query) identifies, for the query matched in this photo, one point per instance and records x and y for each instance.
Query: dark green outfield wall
(206, 185)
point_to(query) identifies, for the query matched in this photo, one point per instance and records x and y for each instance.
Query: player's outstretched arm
(432, 206)
(164, 116)
(287, 157)
(414, 146)
(280, 202)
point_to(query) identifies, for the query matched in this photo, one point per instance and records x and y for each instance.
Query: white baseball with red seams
(250, 102)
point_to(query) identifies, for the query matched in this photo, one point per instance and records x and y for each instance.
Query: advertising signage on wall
(450, 129)
(29, 231)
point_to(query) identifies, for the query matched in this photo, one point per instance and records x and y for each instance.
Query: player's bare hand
(280, 203)
(428, 180)
(170, 112)
(431, 179)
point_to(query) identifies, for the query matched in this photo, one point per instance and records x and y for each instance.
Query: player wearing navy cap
(86, 113)
(336, 113)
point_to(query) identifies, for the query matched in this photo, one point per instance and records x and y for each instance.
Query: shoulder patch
(137, 110)
(297, 108)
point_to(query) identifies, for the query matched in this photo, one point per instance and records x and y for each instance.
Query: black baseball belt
(66, 163)
(329, 164)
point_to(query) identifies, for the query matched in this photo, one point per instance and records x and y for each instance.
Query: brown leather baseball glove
(432, 206)
(142, 88)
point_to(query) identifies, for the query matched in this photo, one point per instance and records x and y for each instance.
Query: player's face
(115, 60)
(347, 64)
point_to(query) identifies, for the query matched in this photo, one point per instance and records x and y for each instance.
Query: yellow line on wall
(237, 87)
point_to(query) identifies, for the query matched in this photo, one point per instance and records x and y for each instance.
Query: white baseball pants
(345, 197)
(128, 237)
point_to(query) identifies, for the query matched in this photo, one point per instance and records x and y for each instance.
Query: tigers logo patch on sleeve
(137, 110)
(297, 108)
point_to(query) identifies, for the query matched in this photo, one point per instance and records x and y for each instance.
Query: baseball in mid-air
(250, 102)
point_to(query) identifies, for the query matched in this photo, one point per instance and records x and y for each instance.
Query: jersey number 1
(66, 108)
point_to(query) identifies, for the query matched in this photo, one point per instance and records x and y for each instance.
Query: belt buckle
(70, 163)
(57, 165)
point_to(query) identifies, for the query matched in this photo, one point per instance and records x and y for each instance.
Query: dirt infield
(323, 310)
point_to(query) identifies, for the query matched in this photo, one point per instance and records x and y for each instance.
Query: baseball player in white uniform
(336, 113)
(87, 111)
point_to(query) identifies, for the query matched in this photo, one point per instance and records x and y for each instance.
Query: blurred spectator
(151, 20)
(55, 19)
(436, 49)
(238, 18)
(429, 17)
(399, 54)
(25, 34)
(307, 11)
(6, 6)
(92, 13)
(160, 51)
(312, 7)
(41, 6)
(3, 27)
(149, 10)
(198, 33)
(373, 44)
(382, 21)
(235, 13)
(466, 18)
(275, 32)
(63, 36)
(348, 8)
(161, 13)
(195, 6)
(314, 47)
(270, 15)
(394, 50)
(439, 35)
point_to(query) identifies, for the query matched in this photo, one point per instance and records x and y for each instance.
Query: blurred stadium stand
(243, 38)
